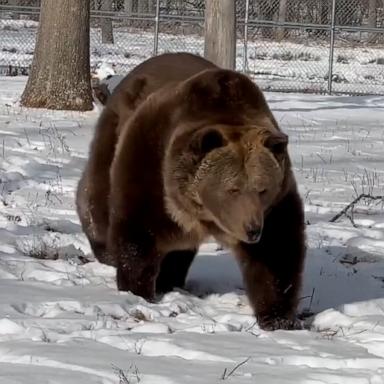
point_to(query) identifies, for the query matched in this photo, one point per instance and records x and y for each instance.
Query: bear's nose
(253, 233)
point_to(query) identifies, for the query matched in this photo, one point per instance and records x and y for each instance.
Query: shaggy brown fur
(204, 156)
(93, 189)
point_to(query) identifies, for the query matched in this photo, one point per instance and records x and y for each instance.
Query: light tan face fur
(236, 182)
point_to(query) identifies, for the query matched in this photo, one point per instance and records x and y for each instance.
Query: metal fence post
(156, 35)
(245, 49)
(331, 47)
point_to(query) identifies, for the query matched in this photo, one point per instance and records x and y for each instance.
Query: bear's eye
(277, 143)
(278, 148)
(234, 190)
(263, 192)
(211, 140)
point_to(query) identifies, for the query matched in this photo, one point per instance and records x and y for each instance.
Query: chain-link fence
(319, 46)
(314, 45)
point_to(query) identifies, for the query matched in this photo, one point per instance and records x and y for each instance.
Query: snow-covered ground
(300, 64)
(63, 322)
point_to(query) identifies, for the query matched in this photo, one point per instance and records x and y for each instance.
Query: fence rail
(317, 46)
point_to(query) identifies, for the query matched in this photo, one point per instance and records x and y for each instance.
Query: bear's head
(227, 160)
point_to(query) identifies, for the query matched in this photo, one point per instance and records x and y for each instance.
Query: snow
(104, 70)
(63, 321)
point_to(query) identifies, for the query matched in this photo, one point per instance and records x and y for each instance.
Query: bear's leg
(174, 270)
(97, 242)
(94, 186)
(138, 260)
(272, 268)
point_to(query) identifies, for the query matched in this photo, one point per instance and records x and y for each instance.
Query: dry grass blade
(226, 375)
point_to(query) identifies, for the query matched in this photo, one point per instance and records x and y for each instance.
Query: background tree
(60, 74)
(128, 7)
(372, 18)
(144, 7)
(106, 22)
(282, 18)
(268, 11)
(220, 32)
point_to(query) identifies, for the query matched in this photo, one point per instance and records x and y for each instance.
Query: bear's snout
(253, 232)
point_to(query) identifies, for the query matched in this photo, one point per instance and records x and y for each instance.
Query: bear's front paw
(273, 324)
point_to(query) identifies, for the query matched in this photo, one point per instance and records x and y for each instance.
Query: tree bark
(220, 32)
(106, 23)
(282, 17)
(372, 18)
(15, 3)
(268, 9)
(372, 13)
(325, 7)
(142, 7)
(346, 11)
(60, 74)
(128, 7)
(168, 6)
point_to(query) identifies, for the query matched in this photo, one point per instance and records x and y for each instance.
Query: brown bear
(195, 157)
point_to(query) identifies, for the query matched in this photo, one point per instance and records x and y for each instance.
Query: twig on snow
(344, 211)
(226, 375)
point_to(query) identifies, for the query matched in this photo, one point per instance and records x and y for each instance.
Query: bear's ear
(135, 92)
(208, 140)
(277, 143)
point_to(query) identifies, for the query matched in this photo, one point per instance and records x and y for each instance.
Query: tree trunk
(282, 16)
(324, 10)
(60, 74)
(220, 32)
(325, 7)
(372, 18)
(128, 10)
(346, 12)
(372, 13)
(106, 23)
(168, 6)
(142, 7)
(15, 3)
(128, 7)
(268, 9)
